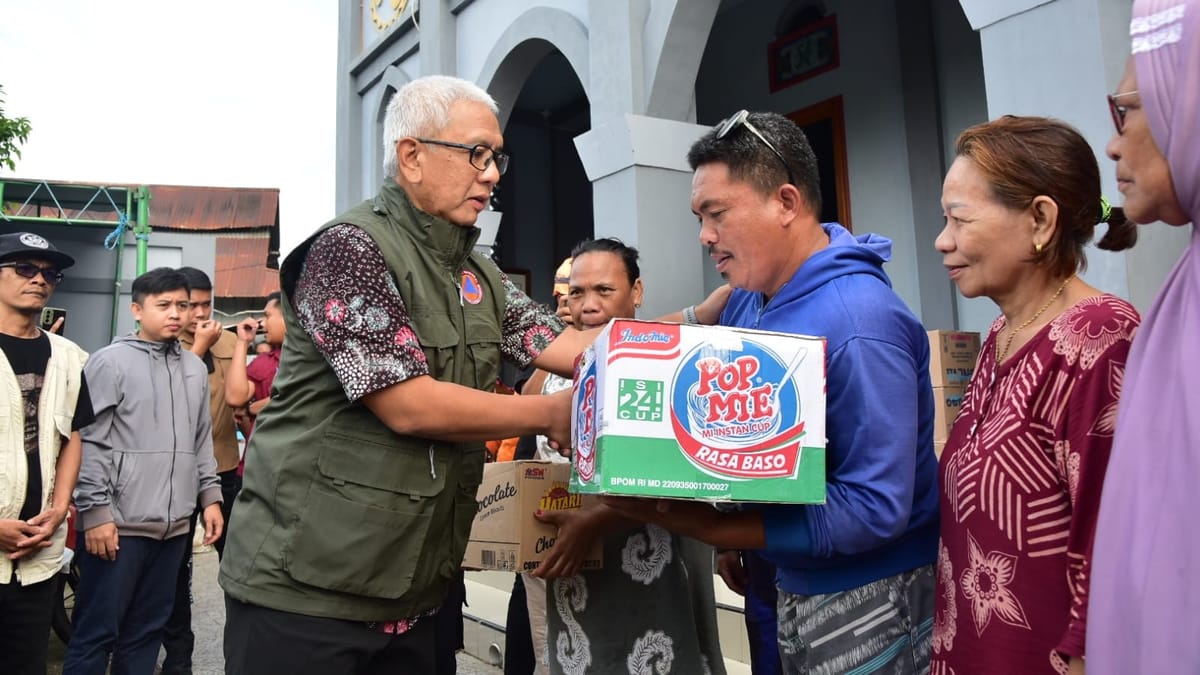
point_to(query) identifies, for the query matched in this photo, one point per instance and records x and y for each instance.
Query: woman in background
(1147, 558)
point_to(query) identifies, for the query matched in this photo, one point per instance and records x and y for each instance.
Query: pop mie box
(700, 412)
(505, 534)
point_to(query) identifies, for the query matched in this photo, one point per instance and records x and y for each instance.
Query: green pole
(141, 229)
(117, 273)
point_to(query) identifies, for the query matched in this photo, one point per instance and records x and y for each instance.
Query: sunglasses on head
(741, 119)
(52, 275)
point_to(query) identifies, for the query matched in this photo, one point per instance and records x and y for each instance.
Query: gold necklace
(1013, 333)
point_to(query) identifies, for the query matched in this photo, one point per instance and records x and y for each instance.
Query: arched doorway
(546, 197)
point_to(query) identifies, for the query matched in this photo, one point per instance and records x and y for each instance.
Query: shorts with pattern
(884, 627)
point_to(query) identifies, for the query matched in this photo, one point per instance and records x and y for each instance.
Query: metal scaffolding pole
(86, 205)
(141, 229)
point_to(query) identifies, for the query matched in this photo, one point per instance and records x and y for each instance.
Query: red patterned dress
(1020, 486)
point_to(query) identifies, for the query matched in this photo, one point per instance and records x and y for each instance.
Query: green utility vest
(339, 516)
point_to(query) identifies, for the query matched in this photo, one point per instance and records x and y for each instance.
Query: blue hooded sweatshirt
(881, 512)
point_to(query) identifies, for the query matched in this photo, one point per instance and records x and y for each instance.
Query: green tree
(12, 133)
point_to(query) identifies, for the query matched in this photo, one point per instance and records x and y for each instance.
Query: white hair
(422, 107)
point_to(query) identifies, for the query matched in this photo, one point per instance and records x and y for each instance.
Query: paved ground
(208, 621)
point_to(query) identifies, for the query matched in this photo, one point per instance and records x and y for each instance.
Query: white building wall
(480, 23)
(637, 58)
(1056, 57)
(733, 75)
(962, 96)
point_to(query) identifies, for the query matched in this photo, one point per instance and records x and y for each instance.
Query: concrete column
(439, 38)
(642, 194)
(923, 128)
(675, 36)
(617, 78)
(636, 160)
(349, 131)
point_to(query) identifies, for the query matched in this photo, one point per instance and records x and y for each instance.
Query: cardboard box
(946, 403)
(505, 534)
(952, 357)
(698, 412)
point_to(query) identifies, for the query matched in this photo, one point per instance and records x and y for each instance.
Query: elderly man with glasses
(45, 404)
(359, 487)
(855, 574)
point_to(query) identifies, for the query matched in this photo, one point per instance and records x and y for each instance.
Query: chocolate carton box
(505, 534)
(700, 412)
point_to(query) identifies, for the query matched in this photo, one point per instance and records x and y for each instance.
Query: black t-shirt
(28, 358)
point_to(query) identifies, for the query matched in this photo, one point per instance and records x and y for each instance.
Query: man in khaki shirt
(204, 338)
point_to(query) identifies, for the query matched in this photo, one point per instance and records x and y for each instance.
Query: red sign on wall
(806, 53)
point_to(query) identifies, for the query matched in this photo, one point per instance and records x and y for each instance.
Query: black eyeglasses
(742, 119)
(52, 275)
(1119, 111)
(480, 156)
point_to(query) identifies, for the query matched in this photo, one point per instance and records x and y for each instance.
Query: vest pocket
(439, 340)
(366, 518)
(465, 506)
(483, 342)
(354, 548)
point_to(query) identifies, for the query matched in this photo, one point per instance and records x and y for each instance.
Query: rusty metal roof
(172, 207)
(179, 207)
(240, 271)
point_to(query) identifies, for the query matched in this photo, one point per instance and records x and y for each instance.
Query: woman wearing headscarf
(1146, 608)
(1021, 473)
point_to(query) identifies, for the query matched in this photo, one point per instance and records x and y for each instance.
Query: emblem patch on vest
(470, 289)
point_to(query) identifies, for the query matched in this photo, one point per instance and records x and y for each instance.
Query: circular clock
(381, 22)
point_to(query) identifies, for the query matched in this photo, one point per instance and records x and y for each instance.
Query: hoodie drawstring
(432, 472)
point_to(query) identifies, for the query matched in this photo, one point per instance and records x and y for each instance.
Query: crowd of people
(1050, 536)
(140, 438)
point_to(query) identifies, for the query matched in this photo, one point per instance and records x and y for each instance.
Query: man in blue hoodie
(855, 575)
(147, 460)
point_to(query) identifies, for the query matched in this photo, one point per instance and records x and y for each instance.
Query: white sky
(229, 93)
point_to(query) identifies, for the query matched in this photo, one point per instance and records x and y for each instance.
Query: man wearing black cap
(46, 399)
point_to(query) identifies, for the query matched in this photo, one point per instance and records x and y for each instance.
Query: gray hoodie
(149, 453)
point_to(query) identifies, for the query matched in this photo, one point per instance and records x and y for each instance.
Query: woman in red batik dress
(1023, 466)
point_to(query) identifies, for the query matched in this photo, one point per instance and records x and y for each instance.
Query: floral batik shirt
(347, 301)
(1020, 482)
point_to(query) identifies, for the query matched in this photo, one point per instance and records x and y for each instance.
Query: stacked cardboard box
(946, 403)
(952, 359)
(505, 534)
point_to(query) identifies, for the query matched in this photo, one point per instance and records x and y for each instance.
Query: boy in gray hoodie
(147, 458)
